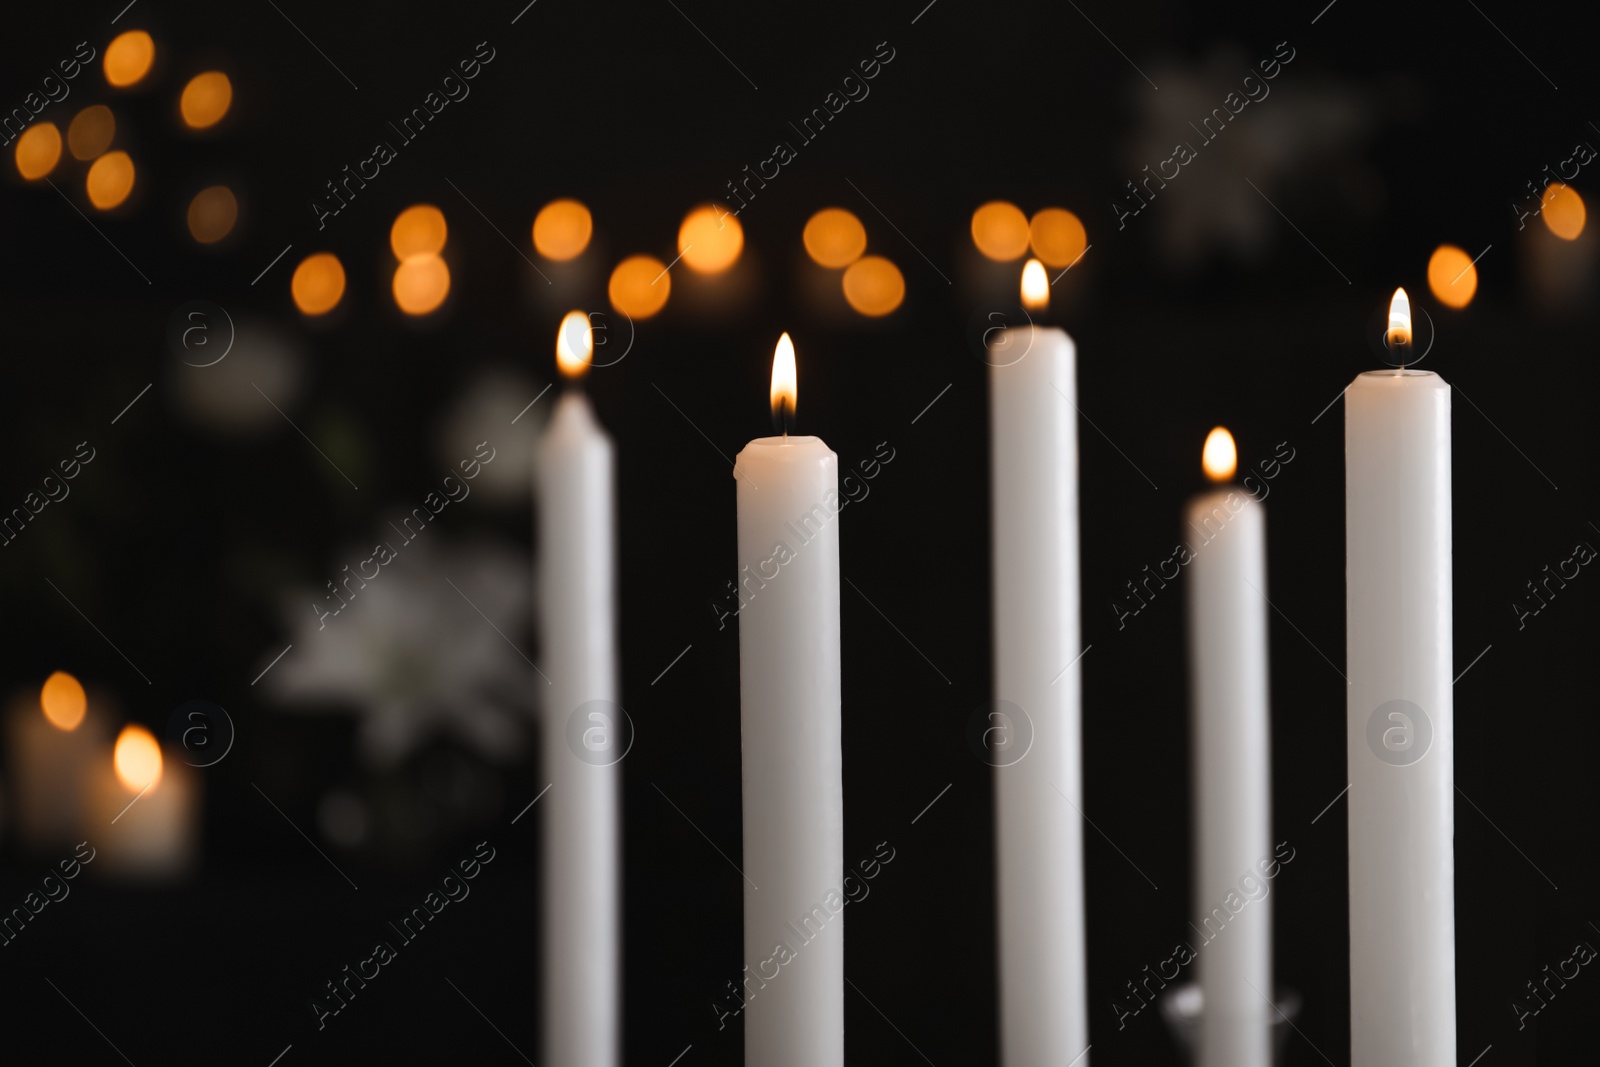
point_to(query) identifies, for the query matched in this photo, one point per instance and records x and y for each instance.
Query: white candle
(53, 737)
(1400, 717)
(144, 811)
(789, 716)
(584, 731)
(1038, 798)
(1232, 755)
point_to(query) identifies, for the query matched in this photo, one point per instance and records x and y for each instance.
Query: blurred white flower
(224, 396)
(483, 412)
(432, 645)
(1299, 123)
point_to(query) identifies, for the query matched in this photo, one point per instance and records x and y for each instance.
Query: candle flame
(63, 701)
(785, 384)
(1219, 457)
(1035, 286)
(137, 759)
(574, 344)
(1399, 332)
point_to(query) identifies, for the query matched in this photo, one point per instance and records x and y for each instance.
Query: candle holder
(1183, 1005)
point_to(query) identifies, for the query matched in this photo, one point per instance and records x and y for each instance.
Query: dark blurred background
(191, 550)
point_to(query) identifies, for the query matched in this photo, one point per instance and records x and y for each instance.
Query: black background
(180, 543)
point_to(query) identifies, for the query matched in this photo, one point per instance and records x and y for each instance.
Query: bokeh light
(212, 213)
(137, 758)
(206, 99)
(1452, 277)
(419, 230)
(128, 58)
(421, 283)
(1000, 230)
(1563, 211)
(562, 229)
(110, 180)
(874, 286)
(639, 286)
(63, 701)
(834, 238)
(38, 150)
(1057, 237)
(318, 283)
(710, 240)
(91, 131)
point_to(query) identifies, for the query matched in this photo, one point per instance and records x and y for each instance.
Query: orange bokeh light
(206, 99)
(38, 150)
(1000, 230)
(562, 229)
(110, 180)
(834, 238)
(874, 286)
(129, 57)
(639, 286)
(1452, 278)
(318, 283)
(63, 701)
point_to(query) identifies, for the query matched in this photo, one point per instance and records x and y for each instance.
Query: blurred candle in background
(1038, 798)
(52, 739)
(144, 811)
(1232, 759)
(1400, 722)
(789, 698)
(582, 724)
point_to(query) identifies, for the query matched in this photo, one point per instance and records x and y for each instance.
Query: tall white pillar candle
(1232, 758)
(1400, 721)
(583, 728)
(788, 578)
(1038, 798)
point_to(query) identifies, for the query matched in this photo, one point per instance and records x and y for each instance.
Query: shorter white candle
(52, 738)
(144, 811)
(574, 468)
(1232, 757)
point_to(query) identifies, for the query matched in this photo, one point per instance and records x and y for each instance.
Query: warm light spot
(421, 283)
(1057, 237)
(63, 701)
(206, 99)
(1000, 230)
(128, 58)
(91, 131)
(1219, 457)
(318, 283)
(1399, 333)
(1563, 211)
(1035, 286)
(38, 150)
(574, 344)
(562, 229)
(212, 213)
(110, 180)
(1452, 277)
(834, 238)
(710, 240)
(874, 286)
(137, 759)
(419, 230)
(785, 381)
(639, 286)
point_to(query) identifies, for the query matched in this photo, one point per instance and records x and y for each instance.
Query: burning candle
(145, 810)
(52, 739)
(582, 725)
(1400, 722)
(788, 510)
(1039, 840)
(1232, 758)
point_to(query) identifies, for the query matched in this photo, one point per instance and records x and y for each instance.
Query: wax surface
(789, 717)
(1038, 797)
(582, 861)
(1232, 779)
(1400, 720)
